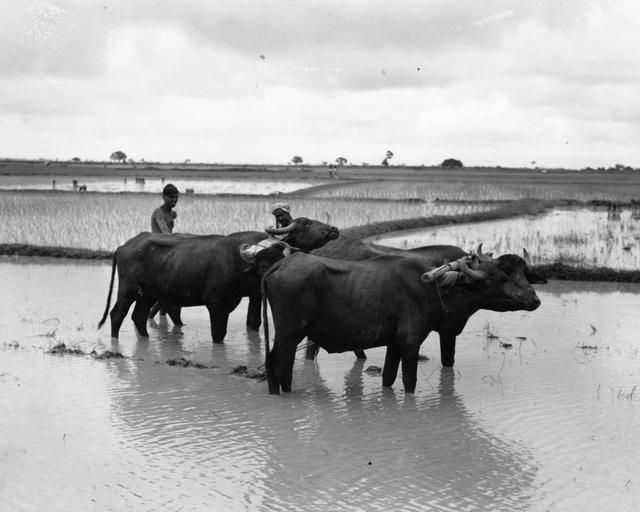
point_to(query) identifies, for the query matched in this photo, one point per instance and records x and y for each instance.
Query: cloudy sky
(492, 82)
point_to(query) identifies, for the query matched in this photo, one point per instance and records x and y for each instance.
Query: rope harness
(251, 250)
(444, 276)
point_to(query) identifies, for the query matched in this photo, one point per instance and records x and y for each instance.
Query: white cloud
(496, 82)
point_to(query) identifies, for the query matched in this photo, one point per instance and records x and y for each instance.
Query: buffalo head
(500, 284)
(306, 234)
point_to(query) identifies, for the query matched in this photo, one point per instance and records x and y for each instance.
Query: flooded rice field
(490, 188)
(540, 412)
(583, 237)
(153, 185)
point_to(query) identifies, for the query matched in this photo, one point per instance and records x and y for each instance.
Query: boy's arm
(158, 219)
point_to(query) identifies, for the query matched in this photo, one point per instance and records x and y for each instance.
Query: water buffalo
(355, 249)
(391, 301)
(193, 270)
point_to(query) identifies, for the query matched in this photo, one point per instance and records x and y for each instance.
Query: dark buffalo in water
(355, 249)
(194, 270)
(384, 301)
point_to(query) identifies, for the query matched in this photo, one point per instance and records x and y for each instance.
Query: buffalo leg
(219, 319)
(118, 313)
(360, 354)
(140, 315)
(391, 362)
(174, 314)
(410, 368)
(154, 310)
(279, 362)
(254, 312)
(280, 367)
(447, 349)
(272, 376)
(312, 351)
(286, 369)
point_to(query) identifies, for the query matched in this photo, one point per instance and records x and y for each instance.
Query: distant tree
(341, 161)
(388, 157)
(75, 159)
(118, 156)
(297, 160)
(451, 163)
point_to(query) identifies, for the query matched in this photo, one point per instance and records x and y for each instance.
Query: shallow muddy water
(584, 237)
(540, 412)
(153, 185)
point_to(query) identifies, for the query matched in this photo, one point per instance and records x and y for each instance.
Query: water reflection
(378, 450)
(551, 429)
(208, 435)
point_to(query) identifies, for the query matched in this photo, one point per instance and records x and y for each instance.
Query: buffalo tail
(106, 310)
(265, 319)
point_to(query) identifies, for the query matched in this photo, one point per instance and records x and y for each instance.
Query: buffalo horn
(473, 274)
(525, 256)
(281, 231)
(247, 252)
(482, 256)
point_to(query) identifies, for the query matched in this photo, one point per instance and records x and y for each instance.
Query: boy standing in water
(162, 218)
(162, 221)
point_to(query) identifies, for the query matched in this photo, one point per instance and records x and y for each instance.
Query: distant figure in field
(282, 214)
(163, 217)
(162, 221)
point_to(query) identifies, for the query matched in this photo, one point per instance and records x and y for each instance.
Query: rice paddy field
(470, 187)
(589, 238)
(105, 221)
(540, 412)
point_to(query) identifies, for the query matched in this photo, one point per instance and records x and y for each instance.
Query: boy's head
(282, 214)
(170, 190)
(170, 194)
